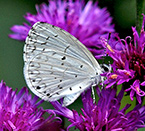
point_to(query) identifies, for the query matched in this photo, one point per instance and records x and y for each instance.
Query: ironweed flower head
(20, 112)
(105, 115)
(129, 64)
(87, 22)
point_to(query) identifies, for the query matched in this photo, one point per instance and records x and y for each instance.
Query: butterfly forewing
(56, 64)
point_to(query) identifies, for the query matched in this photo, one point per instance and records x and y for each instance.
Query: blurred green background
(11, 51)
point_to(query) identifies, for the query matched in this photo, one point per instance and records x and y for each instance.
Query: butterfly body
(57, 64)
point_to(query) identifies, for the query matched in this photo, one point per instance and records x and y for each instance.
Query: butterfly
(57, 65)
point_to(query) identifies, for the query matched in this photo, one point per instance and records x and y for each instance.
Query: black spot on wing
(63, 58)
(38, 87)
(42, 22)
(81, 66)
(60, 87)
(48, 94)
(55, 35)
(47, 37)
(66, 48)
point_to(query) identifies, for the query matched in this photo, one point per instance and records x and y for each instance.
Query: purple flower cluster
(87, 22)
(91, 25)
(20, 112)
(104, 115)
(129, 64)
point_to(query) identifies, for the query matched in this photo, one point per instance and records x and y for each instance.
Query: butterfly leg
(93, 94)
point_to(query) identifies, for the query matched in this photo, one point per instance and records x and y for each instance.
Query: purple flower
(87, 22)
(129, 64)
(20, 112)
(105, 115)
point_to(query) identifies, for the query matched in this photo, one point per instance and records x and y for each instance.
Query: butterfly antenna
(109, 36)
(103, 62)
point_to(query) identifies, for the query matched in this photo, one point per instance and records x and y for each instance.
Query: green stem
(139, 16)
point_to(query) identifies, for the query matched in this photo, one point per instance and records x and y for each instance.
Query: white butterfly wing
(57, 65)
